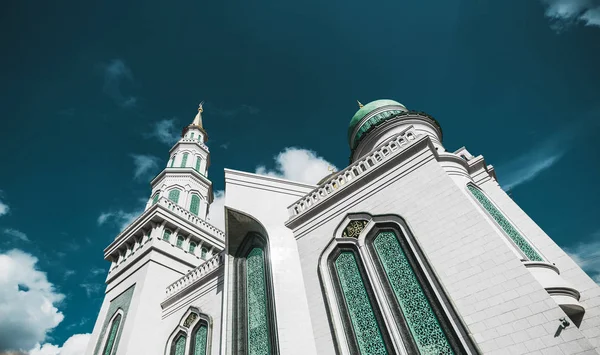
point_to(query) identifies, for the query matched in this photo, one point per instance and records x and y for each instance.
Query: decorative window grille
(166, 235)
(178, 347)
(199, 337)
(110, 342)
(174, 195)
(367, 332)
(179, 242)
(172, 161)
(184, 160)
(155, 198)
(192, 247)
(256, 301)
(197, 167)
(506, 226)
(422, 322)
(203, 252)
(195, 204)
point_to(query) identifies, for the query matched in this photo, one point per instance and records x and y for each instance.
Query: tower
(168, 239)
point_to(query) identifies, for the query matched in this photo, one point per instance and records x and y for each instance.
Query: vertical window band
(200, 340)
(258, 341)
(179, 346)
(174, 195)
(110, 342)
(195, 204)
(506, 226)
(364, 323)
(184, 160)
(197, 164)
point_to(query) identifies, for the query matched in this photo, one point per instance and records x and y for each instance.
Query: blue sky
(92, 95)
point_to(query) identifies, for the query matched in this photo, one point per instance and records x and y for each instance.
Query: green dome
(371, 106)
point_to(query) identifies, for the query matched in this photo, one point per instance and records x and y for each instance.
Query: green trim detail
(197, 168)
(420, 318)
(155, 198)
(184, 160)
(121, 302)
(112, 335)
(358, 304)
(506, 226)
(200, 339)
(172, 161)
(174, 195)
(256, 303)
(195, 204)
(179, 348)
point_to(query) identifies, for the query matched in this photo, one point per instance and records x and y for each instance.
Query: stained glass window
(195, 204)
(110, 342)
(197, 164)
(172, 161)
(179, 348)
(203, 252)
(506, 226)
(155, 198)
(422, 322)
(192, 247)
(167, 235)
(184, 160)
(360, 310)
(256, 302)
(180, 240)
(174, 195)
(200, 340)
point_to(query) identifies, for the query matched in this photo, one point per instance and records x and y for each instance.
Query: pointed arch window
(192, 135)
(179, 242)
(504, 223)
(112, 335)
(166, 235)
(172, 161)
(184, 160)
(192, 247)
(178, 346)
(155, 198)
(197, 167)
(174, 195)
(199, 339)
(195, 204)
(203, 252)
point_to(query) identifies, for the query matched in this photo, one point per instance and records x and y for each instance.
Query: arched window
(184, 160)
(506, 226)
(192, 247)
(172, 161)
(195, 204)
(197, 164)
(112, 335)
(178, 345)
(203, 252)
(174, 195)
(166, 235)
(192, 135)
(155, 198)
(199, 338)
(179, 242)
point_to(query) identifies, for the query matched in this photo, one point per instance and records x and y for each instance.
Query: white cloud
(119, 217)
(216, 215)
(298, 164)
(116, 73)
(587, 256)
(165, 131)
(91, 288)
(16, 234)
(145, 166)
(564, 13)
(27, 302)
(75, 345)
(4, 208)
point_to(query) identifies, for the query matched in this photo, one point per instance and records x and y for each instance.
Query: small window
(192, 247)
(180, 240)
(197, 164)
(167, 235)
(203, 253)
(195, 204)
(155, 198)
(174, 195)
(172, 161)
(184, 160)
(192, 135)
(110, 342)
(178, 346)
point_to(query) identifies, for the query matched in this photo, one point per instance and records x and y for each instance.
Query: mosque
(410, 249)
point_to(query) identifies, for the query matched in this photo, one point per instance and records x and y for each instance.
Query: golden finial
(331, 168)
(359, 104)
(200, 109)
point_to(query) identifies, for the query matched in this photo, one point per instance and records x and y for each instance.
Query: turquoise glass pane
(184, 160)
(195, 204)
(110, 342)
(167, 235)
(197, 164)
(422, 321)
(192, 135)
(258, 323)
(179, 346)
(174, 195)
(179, 242)
(192, 247)
(172, 161)
(366, 329)
(203, 252)
(200, 340)
(506, 226)
(155, 198)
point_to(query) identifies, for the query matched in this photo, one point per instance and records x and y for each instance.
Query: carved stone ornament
(354, 228)
(190, 320)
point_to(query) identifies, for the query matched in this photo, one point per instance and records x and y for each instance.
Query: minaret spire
(359, 104)
(198, 118)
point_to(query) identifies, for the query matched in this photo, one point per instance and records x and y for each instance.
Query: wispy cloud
(69, 273)
(165, 131)
(565, 13)
(97, 271)
(587, 255)
(145, 166)
(540, 158)
(4, 209)
(120, 218)
(16, 234)
(231, 112)
(116, 75)
(224, 145)
(91, 288)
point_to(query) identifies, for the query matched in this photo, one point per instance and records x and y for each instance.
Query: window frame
(118, 313)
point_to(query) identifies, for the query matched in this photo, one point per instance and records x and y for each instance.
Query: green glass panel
(258, 323)
(179, 242)
(506, 226)
(197, 164)
(112, 335)
(203, 252)
(195, 204)
(366, 329)
(174, 195)
(172, 161)
(184, 160)
(179, 346)
(192, 247)
(422, 321)
(167, 235)
(200, 340)
(155, 199)
(192, 135)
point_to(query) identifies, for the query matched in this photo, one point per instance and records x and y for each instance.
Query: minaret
(184, 180)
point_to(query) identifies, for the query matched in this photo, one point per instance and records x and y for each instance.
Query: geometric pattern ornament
(200, 340)
(366, 329)
(256, 303)
(112, 335)
(416, 309)
(506, 226)
(354, 228)
(190, 320)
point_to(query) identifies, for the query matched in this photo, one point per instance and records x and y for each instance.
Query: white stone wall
(504, 308)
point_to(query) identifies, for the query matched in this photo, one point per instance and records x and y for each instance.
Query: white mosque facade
(411, 249)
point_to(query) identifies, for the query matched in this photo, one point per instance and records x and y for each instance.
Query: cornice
(268, 183)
